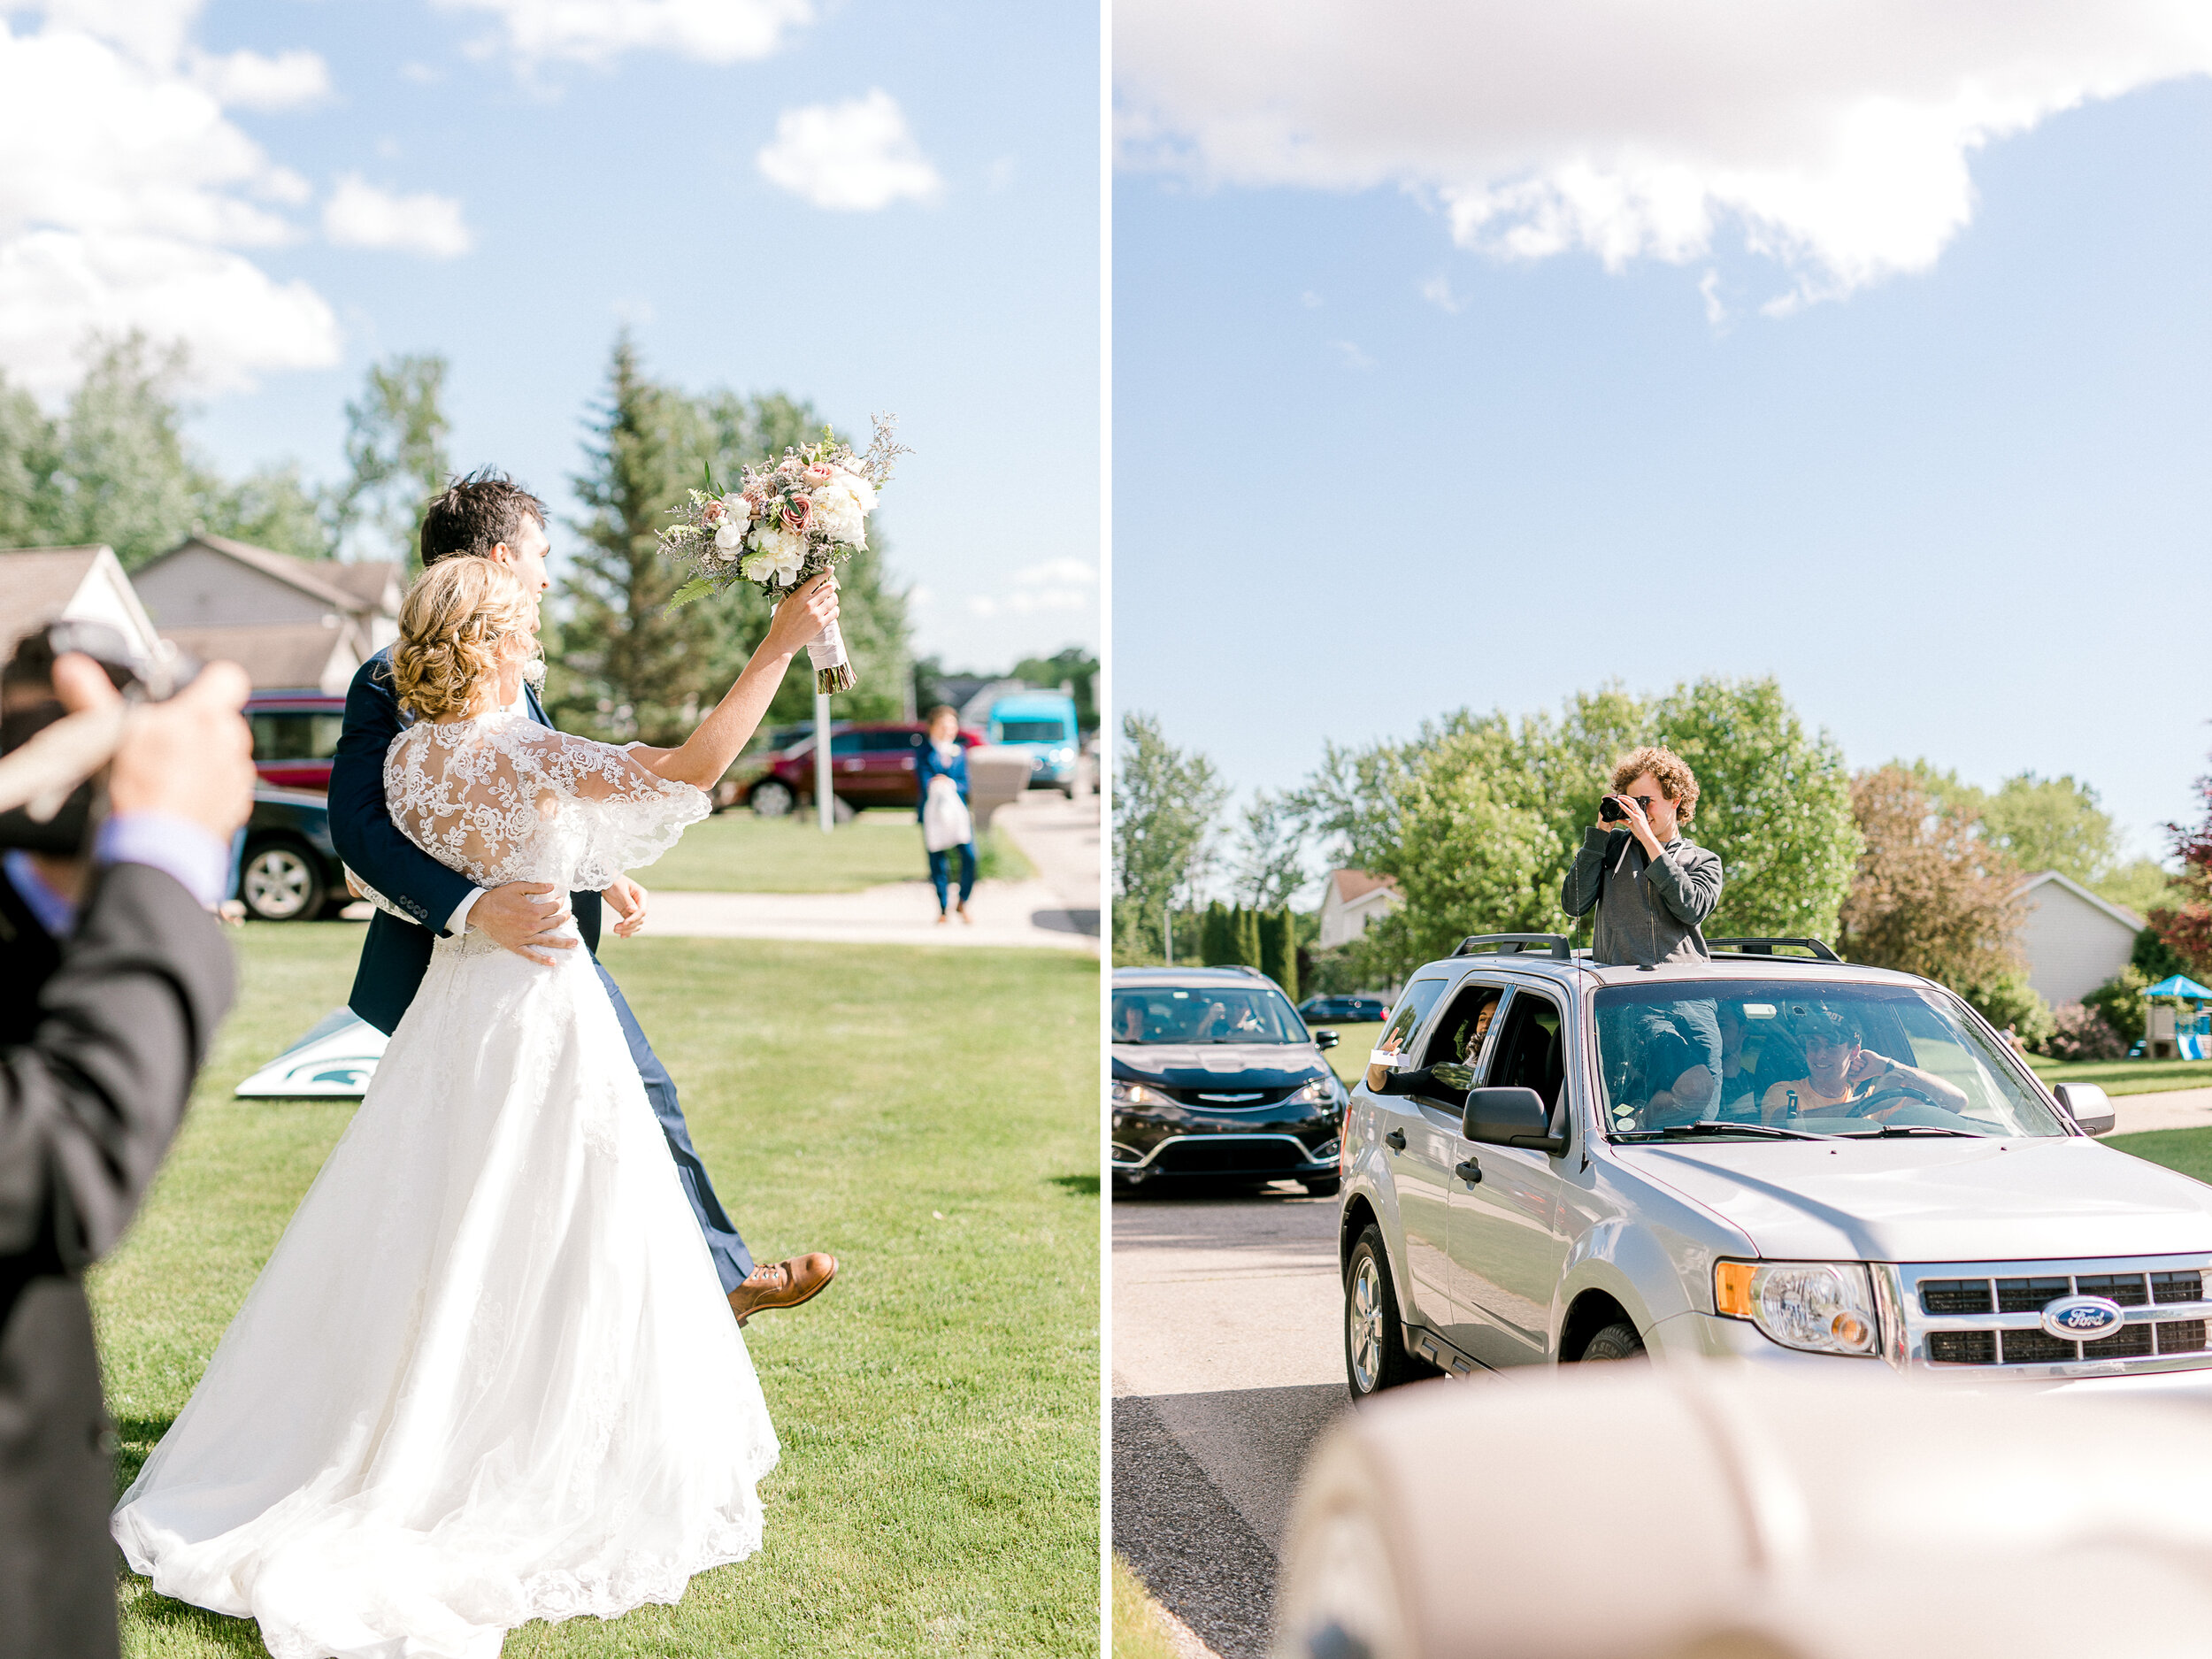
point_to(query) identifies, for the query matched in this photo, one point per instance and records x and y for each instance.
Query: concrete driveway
(1227, 1365)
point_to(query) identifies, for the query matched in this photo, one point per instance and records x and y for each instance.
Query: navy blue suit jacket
(396, 954)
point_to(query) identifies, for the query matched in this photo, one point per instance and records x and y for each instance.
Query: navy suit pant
(732, 1260)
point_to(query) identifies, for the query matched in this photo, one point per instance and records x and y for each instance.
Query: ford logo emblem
(2082, 1318)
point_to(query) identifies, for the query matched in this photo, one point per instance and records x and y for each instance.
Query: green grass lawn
(929, 1115)
(736, 852)
(2127, 1077)
(1349, 1056)
(2188, 1150)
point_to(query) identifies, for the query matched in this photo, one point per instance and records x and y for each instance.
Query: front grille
(1229, 1155)
(1986, 1314)
(1226, 1096)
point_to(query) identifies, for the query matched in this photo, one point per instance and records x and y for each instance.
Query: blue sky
(510, 181)
(1956, 497)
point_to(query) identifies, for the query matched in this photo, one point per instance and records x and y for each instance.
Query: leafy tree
(2140, 884)
(29, 455)
(1166, 801)
(2155, 959)
(121, 474)
(1270, 864)
(2185, 923)
(2051, 824)
(1929, 895)
(271, 507)
(1279, 948)
(1246, 923)
(395, 453)
(1071, 667)
(1217, 939)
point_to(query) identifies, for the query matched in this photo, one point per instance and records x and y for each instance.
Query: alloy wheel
(1363, 1313)
(277, 884)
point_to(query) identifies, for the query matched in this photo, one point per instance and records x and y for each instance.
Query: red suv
(871, 765)
(294, 735)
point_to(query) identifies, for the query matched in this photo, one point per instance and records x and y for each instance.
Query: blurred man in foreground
(113, 976)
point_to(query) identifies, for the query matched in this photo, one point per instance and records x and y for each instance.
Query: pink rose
(711, 512)
(819, 474)
(796, 511)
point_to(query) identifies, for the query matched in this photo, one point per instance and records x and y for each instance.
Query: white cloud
(1353, 357)
(856, 156)
(1834, 137)
(1708, 290)
(133, 219)
(1058, 584)
(597, 31)
(1310, 300)
(421, 74)
(1437, 291)
(361, 215)
(253, 80)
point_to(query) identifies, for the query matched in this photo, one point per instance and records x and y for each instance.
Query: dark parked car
(871, 763)
(1217, 1079)
(294, 735)
(290, 872)
(1352, 1011)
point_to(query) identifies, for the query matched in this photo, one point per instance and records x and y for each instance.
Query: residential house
(293, 624)
(2072, 940)
(1351, 899)
(82, 584)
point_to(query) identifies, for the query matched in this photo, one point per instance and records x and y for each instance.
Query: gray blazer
(1650, 909)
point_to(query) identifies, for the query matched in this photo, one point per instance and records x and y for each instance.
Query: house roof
(2127, 919)
(1357, 884)
(37, 584)
(352, 588)
(276, 656)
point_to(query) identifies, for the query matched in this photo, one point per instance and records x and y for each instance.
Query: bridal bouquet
(787, 520)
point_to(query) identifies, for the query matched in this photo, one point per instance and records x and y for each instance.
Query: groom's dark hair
(473, 515)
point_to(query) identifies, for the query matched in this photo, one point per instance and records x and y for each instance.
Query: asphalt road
(1227, 1364)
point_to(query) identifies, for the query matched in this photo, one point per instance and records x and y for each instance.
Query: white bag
(945, 820)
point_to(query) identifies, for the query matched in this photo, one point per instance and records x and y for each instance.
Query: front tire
(1375, 1357)
(1617, 1340)
(281, 882)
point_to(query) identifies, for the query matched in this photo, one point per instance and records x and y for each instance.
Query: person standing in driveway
(1652, 890)
(941, 776)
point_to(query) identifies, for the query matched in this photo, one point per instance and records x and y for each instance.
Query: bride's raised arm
(705, 756)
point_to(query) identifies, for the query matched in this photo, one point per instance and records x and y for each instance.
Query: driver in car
(1845, 1079)
(1219, 1027)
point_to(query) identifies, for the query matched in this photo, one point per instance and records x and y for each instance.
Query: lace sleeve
(631, 816)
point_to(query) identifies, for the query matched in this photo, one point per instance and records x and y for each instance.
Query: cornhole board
(335, 1060)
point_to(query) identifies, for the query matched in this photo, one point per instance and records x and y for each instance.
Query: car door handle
(1470, 1172)
(1396, 1139)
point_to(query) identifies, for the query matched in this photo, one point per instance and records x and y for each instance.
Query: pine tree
(1217, 944)
(1279, 948)
(1248, 935)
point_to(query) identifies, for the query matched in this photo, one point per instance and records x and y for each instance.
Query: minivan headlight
(1128, 1093)
(1315, 1091)
(1817, 1307)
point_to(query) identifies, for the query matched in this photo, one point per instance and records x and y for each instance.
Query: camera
(1609, 810)
(28, 706)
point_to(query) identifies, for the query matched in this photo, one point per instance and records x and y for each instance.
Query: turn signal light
(1731, 1287)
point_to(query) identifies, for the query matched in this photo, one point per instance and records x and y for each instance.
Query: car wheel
(1617, 1340)
(770, 798)
(1327, 1186)
(281, 882)
(1375, 1357)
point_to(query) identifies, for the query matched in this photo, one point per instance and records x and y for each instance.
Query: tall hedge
(1279, 948)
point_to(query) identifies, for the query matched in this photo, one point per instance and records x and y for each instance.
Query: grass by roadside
(2187, 1150)
(1140, 1631)
(930, 1114)
(736, 852)
(1355, 1044)
(2127, 1077)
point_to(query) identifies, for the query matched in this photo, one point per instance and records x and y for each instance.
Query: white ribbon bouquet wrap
(787, 520)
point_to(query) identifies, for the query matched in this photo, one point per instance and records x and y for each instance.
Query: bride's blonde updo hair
(458, 622)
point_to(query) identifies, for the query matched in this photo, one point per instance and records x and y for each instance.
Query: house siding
(2071, 946)
(197, 587)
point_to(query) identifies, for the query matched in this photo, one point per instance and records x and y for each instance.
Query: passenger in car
(1840, 1074)
(1680, 1074)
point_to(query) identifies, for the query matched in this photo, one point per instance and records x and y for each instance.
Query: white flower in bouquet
(778, 556)
(839, 515)
(862, 487)
(729, 517)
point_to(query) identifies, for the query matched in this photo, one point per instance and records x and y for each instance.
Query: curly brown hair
(1677, 781)
(473, 515)
(456, 627)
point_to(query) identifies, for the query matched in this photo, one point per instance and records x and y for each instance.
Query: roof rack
(1813, 948)
(1561, 947)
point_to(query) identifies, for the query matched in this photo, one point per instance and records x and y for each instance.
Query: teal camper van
(1043, 723)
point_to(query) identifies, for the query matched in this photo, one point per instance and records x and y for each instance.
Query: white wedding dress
(489, 1374)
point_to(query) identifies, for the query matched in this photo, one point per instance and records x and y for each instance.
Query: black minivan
(1216, 1078)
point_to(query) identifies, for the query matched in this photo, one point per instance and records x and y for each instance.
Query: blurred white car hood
(1937, 1200)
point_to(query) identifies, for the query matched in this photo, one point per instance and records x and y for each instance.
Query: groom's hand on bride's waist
(521, 917)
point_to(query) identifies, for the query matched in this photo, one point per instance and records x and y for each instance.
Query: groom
(486, 516)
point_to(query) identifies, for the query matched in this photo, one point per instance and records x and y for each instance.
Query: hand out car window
(1458, 1037)
(1397, 1037)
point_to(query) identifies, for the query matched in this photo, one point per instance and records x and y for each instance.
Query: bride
(489, 1374)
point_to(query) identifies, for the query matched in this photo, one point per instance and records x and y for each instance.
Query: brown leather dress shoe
(783, 1284)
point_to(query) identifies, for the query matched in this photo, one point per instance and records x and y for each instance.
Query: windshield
(1205, 1014)
(1818, 1060)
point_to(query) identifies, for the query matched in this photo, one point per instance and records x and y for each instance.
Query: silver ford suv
(1773, 1155)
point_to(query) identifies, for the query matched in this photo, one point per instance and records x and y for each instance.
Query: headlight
(1316, 1091)
(1127, 1093)
(1818, 1307)
(1327, 1152)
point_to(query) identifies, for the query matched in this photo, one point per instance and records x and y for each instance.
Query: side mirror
(1325, 1039)
(1510, 1118)
(2089, 1106)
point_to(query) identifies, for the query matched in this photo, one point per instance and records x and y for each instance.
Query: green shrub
(2080, 1032)
(2010, 1001)
(2119, 1001)
(1279, 948)
(2155, 959)
(1217, 944)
